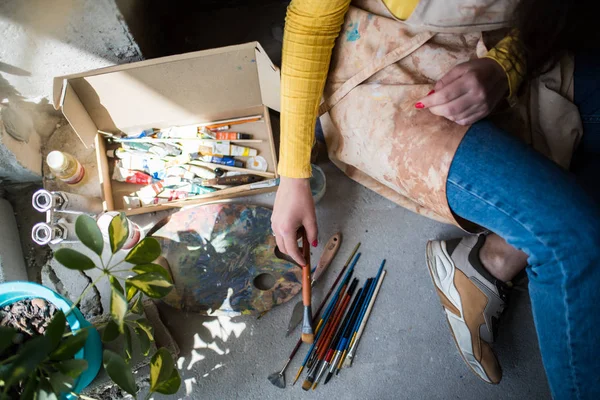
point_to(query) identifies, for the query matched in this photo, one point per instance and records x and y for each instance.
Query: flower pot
(11, 292)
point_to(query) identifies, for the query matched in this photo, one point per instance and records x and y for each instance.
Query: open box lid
(176, 90)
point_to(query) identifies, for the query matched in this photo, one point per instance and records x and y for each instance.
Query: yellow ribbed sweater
(311, 29)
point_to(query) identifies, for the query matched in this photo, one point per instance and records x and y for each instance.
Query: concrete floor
(406, 352)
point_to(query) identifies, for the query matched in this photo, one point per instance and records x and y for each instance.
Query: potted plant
(63, 356)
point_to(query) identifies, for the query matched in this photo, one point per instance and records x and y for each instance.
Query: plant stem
(148, 395)
(121, 270)
(83, 294)
(108, 263)
(117, 264)
(9, 359)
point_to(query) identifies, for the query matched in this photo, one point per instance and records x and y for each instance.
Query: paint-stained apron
(381, 66)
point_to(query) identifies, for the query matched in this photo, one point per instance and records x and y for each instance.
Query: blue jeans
(499, 183)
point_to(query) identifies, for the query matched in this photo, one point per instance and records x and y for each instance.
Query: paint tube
(201, 172)
(181, 171)
(231, 162)
(122, 153)
(179, 160)
(225, 148)
(205, 133)
(136, 146)
(104, 221)
(179, 132)
(232, 136)
(43, 200)
(150, 191)
(43, 233)
(190, 189)
(173, 182)
(152, 166)
(164, 150)
(132, 202)
(65, 167)
(257, 163)
(129, 176)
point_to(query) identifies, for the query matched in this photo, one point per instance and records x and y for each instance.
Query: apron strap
(390, 58)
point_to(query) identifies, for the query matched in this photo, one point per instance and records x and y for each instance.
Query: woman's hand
(294, 208)
(468, 92)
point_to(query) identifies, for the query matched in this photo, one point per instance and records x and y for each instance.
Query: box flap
(77, 116)
(270, 79)
(180, 90)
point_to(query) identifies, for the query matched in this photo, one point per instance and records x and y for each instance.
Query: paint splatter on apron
(381, 66)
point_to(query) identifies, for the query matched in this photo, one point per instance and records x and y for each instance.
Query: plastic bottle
(65, 167)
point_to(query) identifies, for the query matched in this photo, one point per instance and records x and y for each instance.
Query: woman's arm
(310, 31)
(470, 91)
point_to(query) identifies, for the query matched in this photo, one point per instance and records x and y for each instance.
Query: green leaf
(118, 231)
(162, 379)
(143, 324)
(73, 367)
(6, 337)
(114, 282)
(70, 346)
(73, 259)
(141, 269)
(29, 387)
(119, 371)
(171, 385)
(88, 232)
(152, 284)
(131, 291)
(118, 307)
(30, 356)
(146, 251)
(110, 332)
(56, 329)
(137, 307)
(45, 391)
(61, 382)
(128, 347)
(145, 343)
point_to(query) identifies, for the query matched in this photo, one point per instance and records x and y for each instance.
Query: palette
(223, 262)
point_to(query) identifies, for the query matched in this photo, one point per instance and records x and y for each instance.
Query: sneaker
(472, 298)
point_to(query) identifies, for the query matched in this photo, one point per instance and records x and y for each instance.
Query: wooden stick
(307, 330)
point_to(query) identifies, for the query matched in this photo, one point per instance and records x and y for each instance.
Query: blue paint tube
(229, 161)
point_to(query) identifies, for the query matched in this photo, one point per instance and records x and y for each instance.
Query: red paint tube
(129, 176)
(232, 136)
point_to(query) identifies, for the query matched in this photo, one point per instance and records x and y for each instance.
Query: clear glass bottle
(65, 167)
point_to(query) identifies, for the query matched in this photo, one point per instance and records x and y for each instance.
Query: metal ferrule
(307, 324)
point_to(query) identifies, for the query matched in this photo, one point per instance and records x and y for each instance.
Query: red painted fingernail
(419, 105)
(432, 92)
(315, 243)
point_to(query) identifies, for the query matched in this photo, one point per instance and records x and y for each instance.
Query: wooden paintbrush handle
(331, 249)
(306, 289)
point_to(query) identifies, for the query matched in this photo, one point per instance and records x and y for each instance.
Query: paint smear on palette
(352, 34)
(221, 256)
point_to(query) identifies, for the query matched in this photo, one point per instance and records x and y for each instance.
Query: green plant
(44, 366)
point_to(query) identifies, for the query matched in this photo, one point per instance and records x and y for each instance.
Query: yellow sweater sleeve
(507, 53)
(310, 31)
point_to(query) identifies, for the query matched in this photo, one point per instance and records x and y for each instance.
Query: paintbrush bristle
(328, 377)
(306, 385)
(315, 385)
(308, 338)
(347, 362)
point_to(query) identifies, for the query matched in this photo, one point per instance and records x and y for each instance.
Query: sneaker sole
(442, 270)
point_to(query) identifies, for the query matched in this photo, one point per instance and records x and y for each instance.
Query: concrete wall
(42, 39)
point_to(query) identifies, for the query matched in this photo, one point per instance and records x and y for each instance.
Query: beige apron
(381, 66)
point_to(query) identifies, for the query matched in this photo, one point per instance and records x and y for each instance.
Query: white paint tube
(43, 200)
(225, 148)
(201, 172)
(132, 202)
(152, 166)
(135, 233)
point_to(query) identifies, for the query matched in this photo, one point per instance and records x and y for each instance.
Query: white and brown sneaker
(472, 298)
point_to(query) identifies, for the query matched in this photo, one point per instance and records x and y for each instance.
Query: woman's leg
(503, 185)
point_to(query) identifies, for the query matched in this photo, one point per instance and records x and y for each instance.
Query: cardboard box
(186, 89)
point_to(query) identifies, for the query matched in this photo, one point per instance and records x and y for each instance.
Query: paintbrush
(331, 249)
(329, 331)
(331, 351)
(325, 316)
(335, 352)
(235, 180)
(278, 378)
(328, 335)
(307, 329)
(352, 351)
